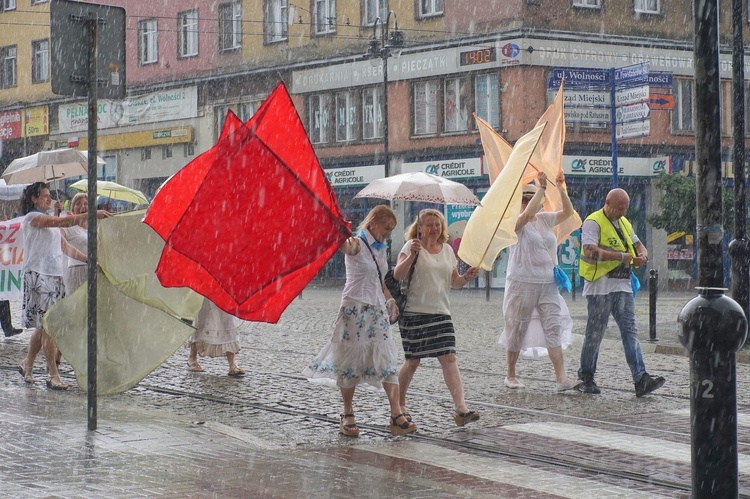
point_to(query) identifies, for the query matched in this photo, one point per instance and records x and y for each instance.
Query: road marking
(501, 471)
(742, 419)
(654, 448)
(242, 435)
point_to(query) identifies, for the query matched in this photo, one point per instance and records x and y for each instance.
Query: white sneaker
(513, 383)
(568, 384)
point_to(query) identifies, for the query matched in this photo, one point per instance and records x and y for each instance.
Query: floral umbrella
(419, 186)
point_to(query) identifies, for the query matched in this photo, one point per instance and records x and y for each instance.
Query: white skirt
(216, 331)
(361, 348)
(525, 333)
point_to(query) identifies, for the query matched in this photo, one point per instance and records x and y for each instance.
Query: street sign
(633, 129)
(633, 112)
(633, 75)
(660, 79)
(588, 115)
(631, 95)
(661, 101)
(578, 78)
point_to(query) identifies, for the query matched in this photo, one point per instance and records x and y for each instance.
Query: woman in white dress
(361, 348)
(77, 236)
(44, 246)
(216, 336)
(530, 286)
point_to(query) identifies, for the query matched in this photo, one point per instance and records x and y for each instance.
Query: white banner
(11, 260)
(169, 105)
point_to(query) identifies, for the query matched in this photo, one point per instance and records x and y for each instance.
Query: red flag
(250, 222)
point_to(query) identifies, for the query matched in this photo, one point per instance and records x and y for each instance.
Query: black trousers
(5, 319)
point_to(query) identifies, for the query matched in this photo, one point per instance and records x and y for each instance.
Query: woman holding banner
(44, 247)
(530, 286)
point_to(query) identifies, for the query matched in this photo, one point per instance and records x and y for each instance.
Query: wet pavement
(274, 434)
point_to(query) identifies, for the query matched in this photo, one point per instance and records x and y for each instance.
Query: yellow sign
(36, 121)
(145, 138)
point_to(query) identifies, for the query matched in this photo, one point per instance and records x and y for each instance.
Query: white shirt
(429, 289)
(42, 247)
(362, 280)
(534, 256)
(77, 237)
(590, 232)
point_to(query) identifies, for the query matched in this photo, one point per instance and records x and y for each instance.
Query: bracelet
(544, 187)
(622, 257)
(389, 300)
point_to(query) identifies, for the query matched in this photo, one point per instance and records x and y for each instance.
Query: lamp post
(390, 45)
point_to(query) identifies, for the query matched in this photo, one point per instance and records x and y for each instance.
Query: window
(166, 151)
(372, 113)
(8, 68)
(319, 118)
(40, 61)
(486, 99)
(325, 16)
(145, 153)
(375, 9)
(37, 2)
(430, 7)
(646, 6)
(456, 104)
(9, 5)
(248, 109)
(276, 21)
(189, 149)
(597, 4)
(346, 117)
(147, 37)
(425, 107)
(230, 25)
(682, 114)
(187, 33)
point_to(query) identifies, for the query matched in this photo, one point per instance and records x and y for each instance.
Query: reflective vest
(591, 270)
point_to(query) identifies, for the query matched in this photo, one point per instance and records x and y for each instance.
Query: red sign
(10, 125)
(661, 101)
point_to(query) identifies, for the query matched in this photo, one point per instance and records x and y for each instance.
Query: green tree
(678, 205)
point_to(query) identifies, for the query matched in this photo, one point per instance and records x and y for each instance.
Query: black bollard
(712, 328)
(653, 284)
(573, 283)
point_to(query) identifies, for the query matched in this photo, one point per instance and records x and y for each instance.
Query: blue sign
(578, 78)
(660, 79)
(634, 75)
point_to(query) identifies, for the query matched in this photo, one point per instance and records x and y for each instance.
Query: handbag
(390, 282)
(562, 279)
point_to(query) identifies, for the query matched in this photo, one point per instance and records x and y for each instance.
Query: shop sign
(355, 175)
(10, 125)
(601, 166)
(181, 103)
(36, 121)
(451, 168)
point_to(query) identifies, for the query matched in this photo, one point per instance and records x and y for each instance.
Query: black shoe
(13, 332)
(589, 386)
(648, 384)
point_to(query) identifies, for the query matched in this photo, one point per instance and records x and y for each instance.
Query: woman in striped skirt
(426, 325)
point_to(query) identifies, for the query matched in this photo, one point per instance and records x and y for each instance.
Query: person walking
(426, 325)
(44, 246)
(530, 286)
(610, 249)
(216, 335)
(361, 348)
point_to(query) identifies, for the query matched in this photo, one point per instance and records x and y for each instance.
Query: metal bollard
(573, 283)
(713, 328)
(653, 284)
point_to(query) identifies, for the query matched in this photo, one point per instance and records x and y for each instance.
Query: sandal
(464, 418)
(348, 430)
(404, 428)
(55, 383)
(27, 373)
(194, 366)
(236, 371)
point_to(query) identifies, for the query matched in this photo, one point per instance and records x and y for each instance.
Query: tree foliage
(678, 205)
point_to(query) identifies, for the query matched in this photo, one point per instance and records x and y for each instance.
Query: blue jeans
(622, 308)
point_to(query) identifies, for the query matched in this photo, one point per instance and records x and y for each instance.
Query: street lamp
(389, 45)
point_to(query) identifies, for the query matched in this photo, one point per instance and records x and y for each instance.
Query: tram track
(561, 461)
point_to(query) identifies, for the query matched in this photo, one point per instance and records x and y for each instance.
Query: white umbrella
(46, 166)
(112, 190)
(419, 186)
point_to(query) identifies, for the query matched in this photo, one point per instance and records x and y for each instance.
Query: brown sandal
(404, 428)
(464, 418)
(194, 366)
(27, 373)
(348, 430)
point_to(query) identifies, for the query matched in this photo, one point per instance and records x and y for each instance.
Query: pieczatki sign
(11, 260)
